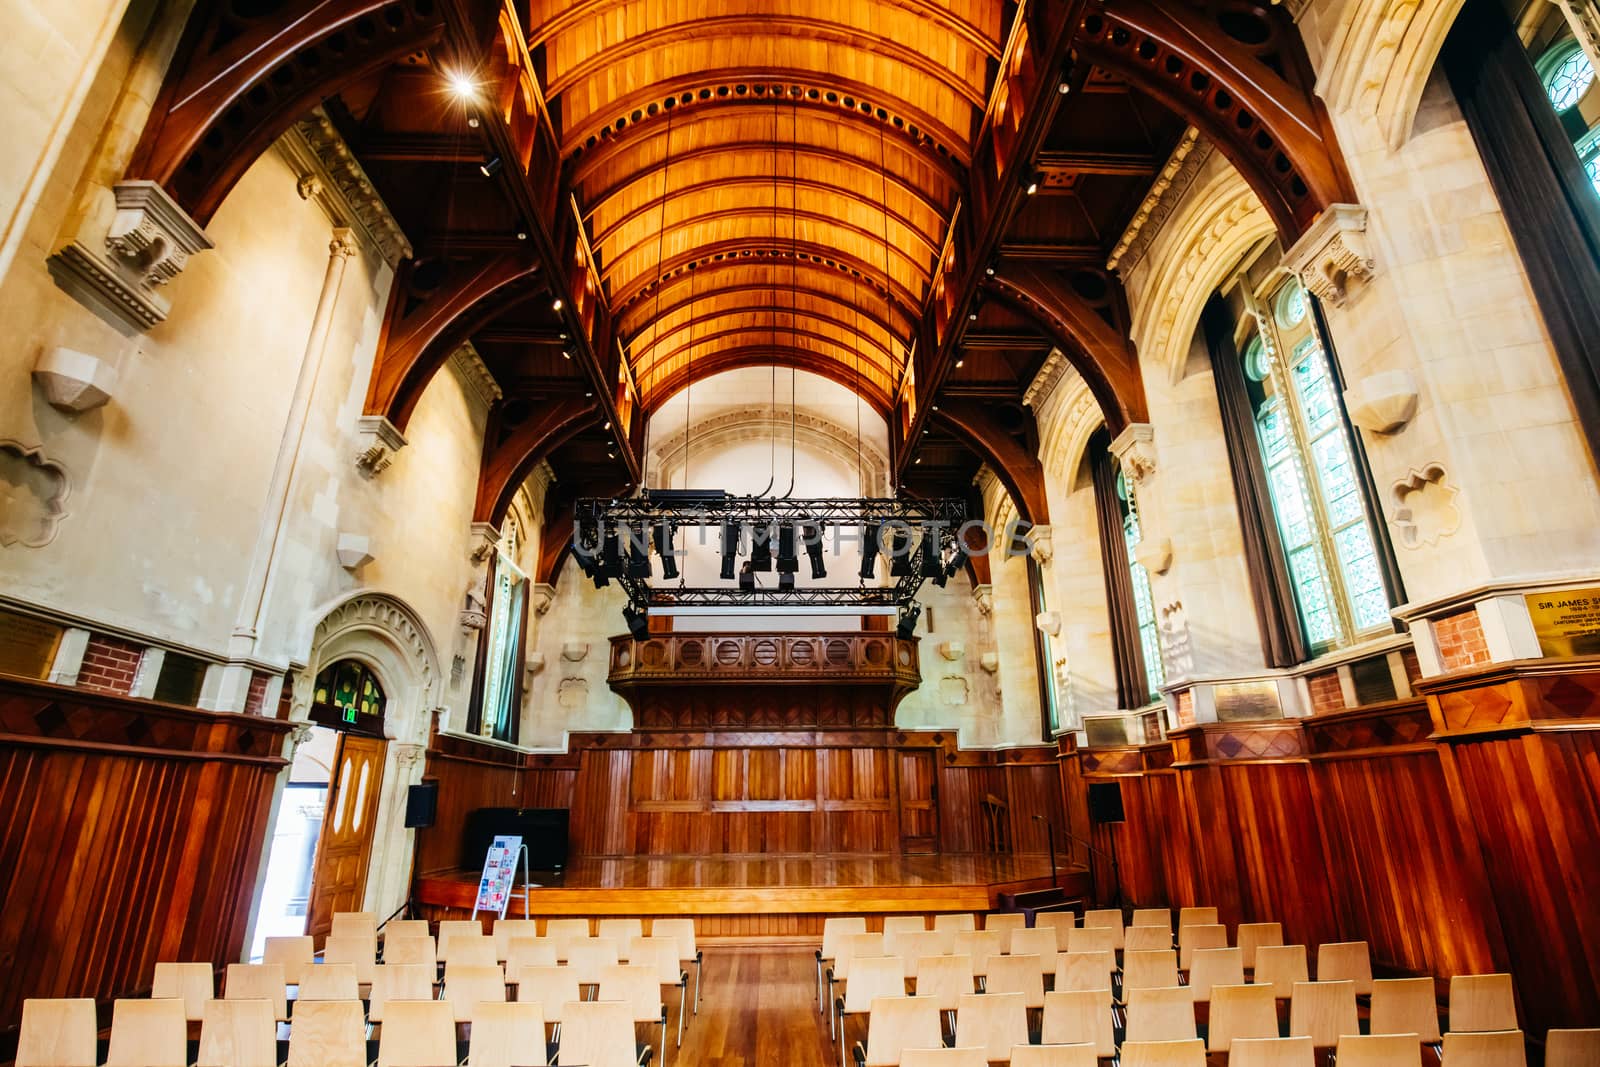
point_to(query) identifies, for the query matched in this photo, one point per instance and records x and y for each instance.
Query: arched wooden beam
(1103, 356)
(702, 290)
(555, 539)
(882, 362)
(509, 458)
(1018, 469)
(767, 25)
(660, 392)
(414, 346)
(228, 98)
(1276, 134)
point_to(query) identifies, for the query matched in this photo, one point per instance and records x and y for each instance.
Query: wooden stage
(764, 899)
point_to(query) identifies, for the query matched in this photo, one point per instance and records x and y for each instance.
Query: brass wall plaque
(27, 645)
(1247, 701)
(1567, 621)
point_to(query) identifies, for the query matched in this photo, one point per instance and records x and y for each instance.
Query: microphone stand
(1116, 867)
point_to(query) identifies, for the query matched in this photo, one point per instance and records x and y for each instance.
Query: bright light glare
(462, 86)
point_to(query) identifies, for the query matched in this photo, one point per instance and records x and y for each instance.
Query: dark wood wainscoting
(130, 832)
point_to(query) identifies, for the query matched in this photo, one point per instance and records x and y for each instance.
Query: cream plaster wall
(957, 693)
(570, 693)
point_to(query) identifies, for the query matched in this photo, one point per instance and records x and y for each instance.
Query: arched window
(1135, 640)
(1568, 77)
(499, 706)
(1144, 604)
(347, 696)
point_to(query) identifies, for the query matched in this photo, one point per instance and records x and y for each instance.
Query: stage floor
(851, 870)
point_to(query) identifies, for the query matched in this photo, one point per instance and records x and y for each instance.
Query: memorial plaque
(1247, 701)
(1566, 621)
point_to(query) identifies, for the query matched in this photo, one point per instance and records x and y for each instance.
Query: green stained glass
(1339, 490)
(1591, 167)
(1315, 388)
(1359, 561)
(1144, 605)
(1571, 78)
(1311, 590)
(1294, 521)
(351, 690)
(1291, 306)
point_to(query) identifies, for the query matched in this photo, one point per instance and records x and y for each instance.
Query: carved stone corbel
(1135, 449)
(1154, 554)
(485, 538)
(543, 597)
(74, 381)
(983, 596)
(408, 754)
(1333, 253)
(1048, 622)
(1382, 403)
(379, 440)
(1043, 549)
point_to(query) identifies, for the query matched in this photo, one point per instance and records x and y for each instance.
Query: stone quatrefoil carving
(1424, 506)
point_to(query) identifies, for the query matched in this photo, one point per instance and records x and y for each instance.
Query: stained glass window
(1144, 604)
(506, 606)
(1569, 79)
(347, 694)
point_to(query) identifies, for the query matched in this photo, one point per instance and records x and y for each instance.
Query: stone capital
(343, 243)
(408, 754)
(379, 441)
(1333, 253)
(484, 539)
(1135, 449)
(983, 595)
(544, 597)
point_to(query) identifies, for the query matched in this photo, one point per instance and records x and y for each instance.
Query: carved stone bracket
(1154, 554)
(379, 440)
(355, 551)
(1135, 449)
(1043, 549)
(74, 381)
(408, 754)
(485, 538)
(299, 735)
(983, 596)
(989, 661)
(1333, 253)
(1048, 622)
(1382, 403)
(952, 650)
(544, 597)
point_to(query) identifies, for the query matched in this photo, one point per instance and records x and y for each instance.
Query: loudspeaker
(422, 803)
(1105, 802)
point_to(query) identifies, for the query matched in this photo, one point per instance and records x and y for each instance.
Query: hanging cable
(888, 309)
(794, 280)
(772, 419)
(855, 348)
(655, 325)
(688, 393)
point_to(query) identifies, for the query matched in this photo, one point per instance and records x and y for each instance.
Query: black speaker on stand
(1105, 809)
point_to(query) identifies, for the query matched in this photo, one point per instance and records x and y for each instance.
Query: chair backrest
(1039, 941)
(508, 930)
(899, 1023)
(466, 987)
(329, 981)
(295, 953)
(872, 977)
(417, 1033)
(258, 981)
(663, 955)
(855, 946)
(1092, 939)
(1164, 1053)
(399, 981)
(1005, 922)
(530, 952)
(992, 1021)
(552, 988)
(1160, 1014)
(944, 1057)
(835, 930)
(1272, 1052)
(1146, 938)
(1148, 970)
(1281, 966)
(1192, 939)
(406, 948)
(354, 924)
(1062, 922)
(682, 930)
(1161, 917)
(238, 1033)
(1485, 1048)
(1323, 1011)
(637, 987)
(192, 983)
(1571, 1048)
(1085, 970)
(451, 927)
(1080, 1017)
(57, 1033)
(1106, 919)
(1213, 967)
(406, 928)
(981, 945)
(149, 1033)
(473, 950)
(1195, 917)
(1481, 1002)
(622, 931)
(506, 1035)
(912, 946)
(1240, 1011)
(945, 979)
(1023, 975)
(358, 950)
(1346, 961)
(328, 1034)
(896, 925)
(1055, 1056)
(1380, 1050)
(955, 920)
(597, 1033)
(588, 958)
(567, 927)
(1406, 1006)
(1252, 936)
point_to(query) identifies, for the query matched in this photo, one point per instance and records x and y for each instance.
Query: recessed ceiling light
(462, 86)
(557, 305)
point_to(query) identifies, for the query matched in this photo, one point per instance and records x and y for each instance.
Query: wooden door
(919, 802)
(339, 878)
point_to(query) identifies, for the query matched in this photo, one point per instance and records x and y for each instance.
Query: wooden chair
(567, 928)
(1080, 971)
(552, 988)
(405, 928)
(1406, 1006)
(834, 931)
(1192, 939)
(1572, 1048)
(597, 1033)
(449, 928)
(467, 987)
(1161, 917)
(354, 924)
(295, 953)
(688, 951)
(1485, 1048)
(1380, 1050)
(1039, 941)
(1164, 1053)
(192, 983)
(149, 1033)
(258, 981)
(404, 948)
(1106, 919)
(1482, 1002)
(1146, 939)
(640, 989)
(1005, 922)
(944, 1057)
(1252, 936)
(238, 1033)
(468, 949)
(992, 1021)
(1093, 939)
(1080, 1017)
(396, 982)
(945, 979)
(1161, 1015)
(57, 1033)
(872, 978)
(1195, 917)
(895, 1024)
(1211, 967)
(328, 1034)
(506, 1035)
(622, 931)
(530, 952)
(1240, 1012)
(327, 981)
(663, 957)
(418, 1033)
(1346, 961)
(508, 930)
(955, 920)
(981, 945)
(360, 951)
(896, 925)
(1148, 970)
(850, 948)
(1020, 975)
(1323, 1011)
(1054, 1056)
(588, 958)
(1272, 1052)
(914, 945)
(1061, 922)
(1281, 966)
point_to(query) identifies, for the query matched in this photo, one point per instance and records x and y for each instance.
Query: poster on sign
(499, 874)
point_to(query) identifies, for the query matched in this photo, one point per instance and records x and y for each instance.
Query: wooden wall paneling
(470, 776)
(1280, 866)
(599, 823)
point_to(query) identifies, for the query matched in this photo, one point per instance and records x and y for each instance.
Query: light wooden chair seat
(418, 1033)
(640, 989)
(871, 978)
(552, 988)
(834, 931)
(1485, 1048)
(1085, 970)
(1272, 1052)
(468, 949)
(238, 1033)
(981, 945)
(405, 948)
(622, 931)
(397, 982)
(1146, 939)
(1164, 1053)
(896, 925)
(1482, 1002)
(895, 1024)
(1251, 936)
(405, 928)
(955, 920)
(1281, 966)
(1380, 1050)
(568, 927)
(1039, 941)
(328, 981)
(258, 981)
(1054, 1056)
(589, 957)
(354, 924)
(149, 1033)
(1406, 1006)
(1572, 1048)
(944, 1057)
(294, 953)
(328, 1034)
(1346, 961)
(1324, 1012)
(1240, 1012)
(945, 979)
(508, 930)
(663, 956)
(1210, 967)
(1106, 919)
(1161, 917)
(530, 952)
(1192, 939)
(1156, 969)
(1020, 975)
(993, 1021)
(688, 951)
(1195, 917)
(1005, 922)
(913, 945)
(849, 948)
(57, 1033)
(358, 950)
(597, 1033)
(467, 987)
(506, 1035)
(192, 983)
(1161, 1015)
(1080, 1017)
(1061, 922)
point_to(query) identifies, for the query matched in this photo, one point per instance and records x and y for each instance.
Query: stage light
(490, 167)
(869, 552)
(899, 552)
(908, 621)
(813, 540)
(638, 555)
(730, 550)
(788, 561)
(785, 582)
(761, 548)
(462, 87)
(611, 555)
(957, 561)
(747, 578)
(663, 539)
(932, 563)
(638, 620)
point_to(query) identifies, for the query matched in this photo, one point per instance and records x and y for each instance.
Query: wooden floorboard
(758, 1008)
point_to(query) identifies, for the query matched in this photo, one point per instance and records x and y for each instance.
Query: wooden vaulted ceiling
(767, 186)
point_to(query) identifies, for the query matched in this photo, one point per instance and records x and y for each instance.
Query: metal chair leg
(699, 964)
(683, 988)
(663, 1037)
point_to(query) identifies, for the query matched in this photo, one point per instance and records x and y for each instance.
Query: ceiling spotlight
(730, 549)
(522, 235)
(462, 86)
(917, 460)
(490, 167)
(557, 305)
(472, 122)
(908, 621)
(1064, 88)
(960, 363)
(638, 620)
(990, 267)
(972, 313)
(563, 332)
(1032, 181)
(565, 354)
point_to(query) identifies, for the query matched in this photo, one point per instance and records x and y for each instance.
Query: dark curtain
(1283, 641)
(1133, 686)
(481, 656)
(1548, 203)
